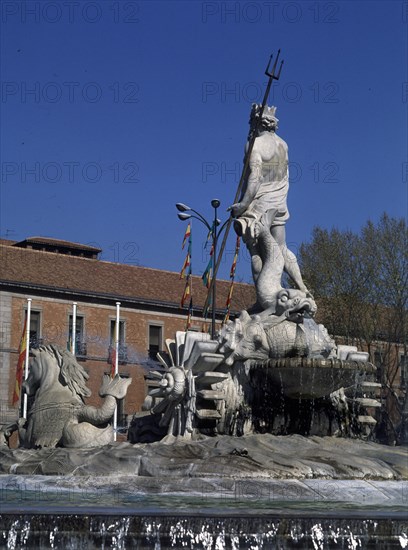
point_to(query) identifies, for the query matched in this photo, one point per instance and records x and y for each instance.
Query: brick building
(55, 273)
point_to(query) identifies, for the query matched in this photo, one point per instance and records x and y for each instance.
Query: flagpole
(191, 259)
(27, 356)
(73, 336)
(190, 278)
(115, 414)
(117, 337)
(191, 275)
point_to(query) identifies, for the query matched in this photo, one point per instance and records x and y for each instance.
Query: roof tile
(20, 265)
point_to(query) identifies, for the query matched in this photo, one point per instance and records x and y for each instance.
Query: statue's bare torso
(273, 152)
(262, 212)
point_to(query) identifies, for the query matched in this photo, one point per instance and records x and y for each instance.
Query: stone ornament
(58, 415)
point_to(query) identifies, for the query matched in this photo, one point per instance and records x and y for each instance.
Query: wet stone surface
(252, 456)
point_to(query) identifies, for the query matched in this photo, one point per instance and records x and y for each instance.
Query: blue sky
(114, 111)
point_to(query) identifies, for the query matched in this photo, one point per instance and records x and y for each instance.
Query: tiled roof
(25, 267)
(58, 243)
(8, 242)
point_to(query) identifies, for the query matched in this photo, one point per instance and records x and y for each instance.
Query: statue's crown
(269, 112)
(267, 115)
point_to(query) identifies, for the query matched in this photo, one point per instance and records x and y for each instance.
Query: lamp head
(182, 207)
(184, 216)
(215, 203)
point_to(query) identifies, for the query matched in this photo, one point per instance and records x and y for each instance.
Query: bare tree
(361, 284)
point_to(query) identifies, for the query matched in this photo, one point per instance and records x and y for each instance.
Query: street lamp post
(215, 203)
(184, 214)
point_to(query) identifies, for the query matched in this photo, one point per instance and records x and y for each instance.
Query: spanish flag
(186, 264)
(113, 361)
(187, 236)
(20, 364)
(187, 291)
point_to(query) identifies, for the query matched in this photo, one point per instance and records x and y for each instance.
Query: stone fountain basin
(312, 378)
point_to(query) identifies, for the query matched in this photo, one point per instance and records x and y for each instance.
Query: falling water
(165, 532)
(72, 513)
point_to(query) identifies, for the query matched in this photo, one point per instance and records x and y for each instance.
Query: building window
(123, 358)
(113, 332)
(35, 329)
(155, 340)
(80, 344)
(404, 371)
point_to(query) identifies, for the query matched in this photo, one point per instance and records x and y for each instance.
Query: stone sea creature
(285, 330)
(58, 415)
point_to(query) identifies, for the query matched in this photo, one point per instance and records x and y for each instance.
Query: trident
(272, 76)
